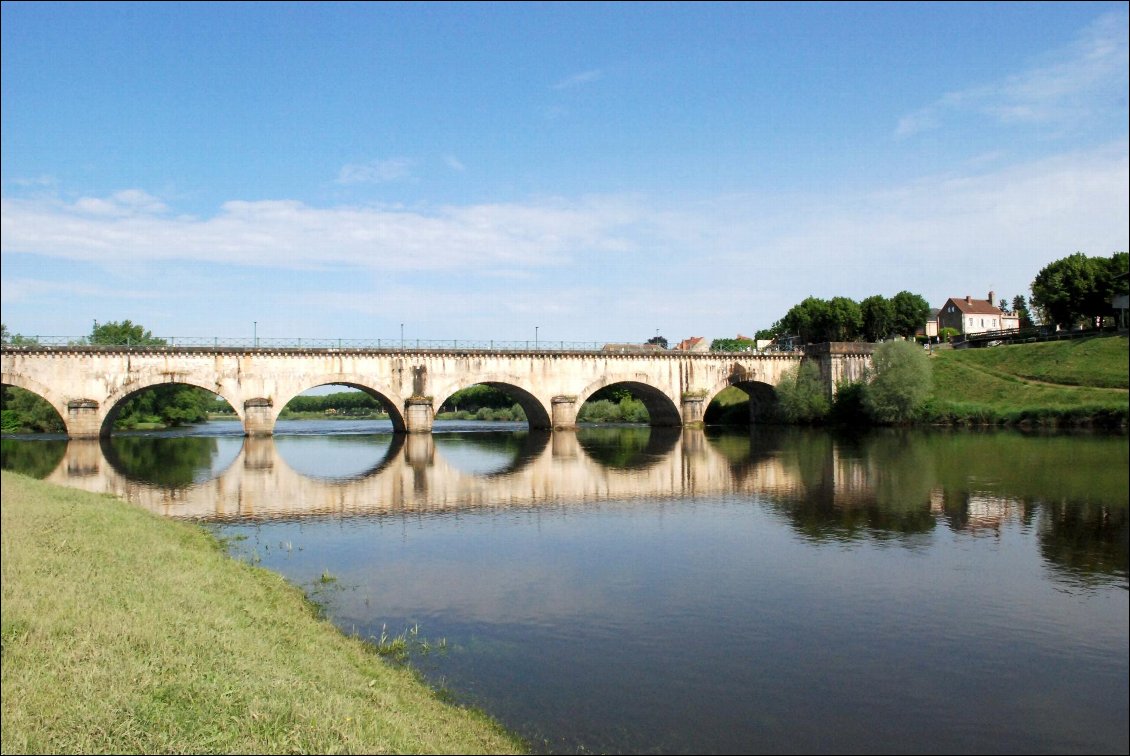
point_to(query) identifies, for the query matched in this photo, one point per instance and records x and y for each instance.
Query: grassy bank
(126, 633)
(1082, 382)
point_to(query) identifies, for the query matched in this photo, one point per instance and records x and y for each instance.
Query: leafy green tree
(124, 333)
(1003, 306)
(168, 404)
(816, 320)
(1077, 288)
(23, 412)
(900, 383)
(806, 319)
(878, 314)
(911, 311)
(733, 345)
(801, 394)
(1020, 308)
(660, 340)
(845, 321)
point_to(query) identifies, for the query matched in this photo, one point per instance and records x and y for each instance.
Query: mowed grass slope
(1079, 381)
(126, 633)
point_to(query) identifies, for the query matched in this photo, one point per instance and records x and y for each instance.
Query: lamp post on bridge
(255, 332)
(535, 337)
(401, 335)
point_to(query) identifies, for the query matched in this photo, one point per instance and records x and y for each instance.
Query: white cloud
(1066, 89)
(121, 204)
(376, 171)
(454, 163)
(579, 79)
(290, 234)
(629, 264)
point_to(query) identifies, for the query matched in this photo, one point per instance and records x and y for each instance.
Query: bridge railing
(220, 342)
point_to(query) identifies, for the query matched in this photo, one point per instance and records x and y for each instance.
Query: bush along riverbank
(126, 633)
(1064, 384)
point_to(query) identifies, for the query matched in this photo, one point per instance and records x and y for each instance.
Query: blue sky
(595, 171)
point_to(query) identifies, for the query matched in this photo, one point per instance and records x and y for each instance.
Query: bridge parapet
(87, 384)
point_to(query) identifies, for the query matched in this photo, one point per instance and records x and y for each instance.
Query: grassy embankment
(126, 633)
(1083, 382)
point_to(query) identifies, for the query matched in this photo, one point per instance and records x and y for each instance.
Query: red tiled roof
(971, 306)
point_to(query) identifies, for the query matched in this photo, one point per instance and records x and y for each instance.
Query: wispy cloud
(291, 234)
(454, 163)
(376, 171)
(23, 289)
(579, 79)
(940, 236)
(1067, 88)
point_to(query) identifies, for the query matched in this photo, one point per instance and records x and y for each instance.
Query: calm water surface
(632, 590)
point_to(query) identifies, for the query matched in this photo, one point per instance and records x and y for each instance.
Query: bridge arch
(661, 408)
(112, 406)
(383, 394)
(537, 413)
(33, 386)
(762, 395)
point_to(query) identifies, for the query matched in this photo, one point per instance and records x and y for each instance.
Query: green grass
(1057, 383)
(126, 633)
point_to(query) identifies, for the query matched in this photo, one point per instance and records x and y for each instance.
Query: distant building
(930, 329)
(693, 344)
(627, 348)
(969, 316)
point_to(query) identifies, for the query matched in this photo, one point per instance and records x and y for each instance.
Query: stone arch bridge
(88, 384)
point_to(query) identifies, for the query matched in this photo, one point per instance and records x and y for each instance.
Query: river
(638, 590)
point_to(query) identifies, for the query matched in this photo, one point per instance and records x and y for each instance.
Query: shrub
(801, 395)
(901, 382)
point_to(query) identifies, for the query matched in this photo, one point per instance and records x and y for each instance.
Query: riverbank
(127, 633)
(1064, 383)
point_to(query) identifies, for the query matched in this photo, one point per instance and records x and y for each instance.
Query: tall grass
(126, 633)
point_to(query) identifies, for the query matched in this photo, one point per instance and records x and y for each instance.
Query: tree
(911, 311)
(801, 394)
(1020, 309)
(900, 383)
(878, 315)
(806, 319)
(662, 342)
(1076, 288)
(845, 321)
(1003, 306)
(733, 345)
(124, 333)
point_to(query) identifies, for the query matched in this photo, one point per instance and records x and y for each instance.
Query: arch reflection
(492, 453)
(894, 486)
(170, 461)
(339, 458)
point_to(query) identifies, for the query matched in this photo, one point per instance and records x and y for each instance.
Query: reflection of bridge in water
(550, 469)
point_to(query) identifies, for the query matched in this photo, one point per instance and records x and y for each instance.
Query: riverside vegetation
(126, 633)
(1083, 382)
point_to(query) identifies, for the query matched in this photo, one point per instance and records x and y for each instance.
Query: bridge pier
(419, 414)
(693, 411)
(564, 412)
(82, 419)
(258, 417)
